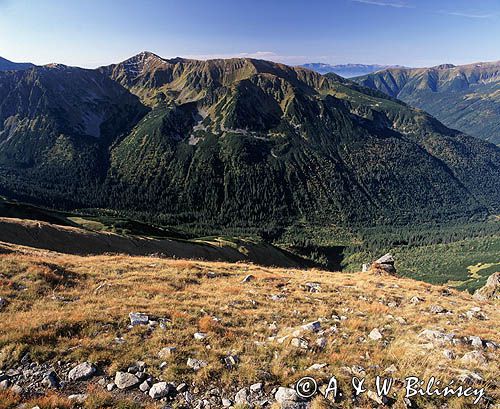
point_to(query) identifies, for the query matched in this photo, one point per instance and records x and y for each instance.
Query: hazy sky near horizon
(407, 32)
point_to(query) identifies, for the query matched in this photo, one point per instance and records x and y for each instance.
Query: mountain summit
(239, 142)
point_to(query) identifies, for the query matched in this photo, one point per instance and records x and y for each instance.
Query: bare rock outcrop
(491, 290)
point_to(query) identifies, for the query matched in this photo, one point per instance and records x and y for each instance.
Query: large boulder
(384, 264)
(491, 290)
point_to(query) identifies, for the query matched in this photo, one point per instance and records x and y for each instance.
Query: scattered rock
(448, 354)
(4, 384)
(196, 364)
(231, 361)
(313, 287)
(248, 278)
(138, 318)
(78, 398)
(182, 387)
(125, 380)
(81, 372)
(241, 397)
(437, 309)
(110, 387)
(321, 342)
(476, 342)
(145, 386)
(300, 343)
(166, 352)
(226, 403)
(284, 395)
(476, 358)
(375, 334)
(436, 336)
(162, 390)
(51, 380)
(491, 289)
(200, 336)
(316, 367)
(469, 377)
(416, 300)
(256, 387)
(314, 326)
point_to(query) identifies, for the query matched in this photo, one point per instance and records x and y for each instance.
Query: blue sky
(407, 32)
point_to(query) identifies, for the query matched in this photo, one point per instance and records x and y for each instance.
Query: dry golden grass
(72, 308)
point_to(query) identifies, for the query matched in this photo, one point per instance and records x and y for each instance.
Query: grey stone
(312, 326)
(284, 395)
(375, 334)
(182, 387)
(476, 358)
(51, 380)
(200, 336)
(248, 278)
(231, 361)
(436, 336)
(82, 371)
(476, 342)
(313, 287)
(321, 342)
(125, 380)
(196, 364)
(110, 386)
(166, 352)
(437, 309)
(162, 390)
(448, 354)
(3, 303)
(300, 343)
(226, 403)
(78, 397)
(4, 384)
(138, 318)
(256, 387)
(241, 396)
(145, 386)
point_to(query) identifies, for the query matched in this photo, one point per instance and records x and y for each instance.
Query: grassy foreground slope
(72, 309)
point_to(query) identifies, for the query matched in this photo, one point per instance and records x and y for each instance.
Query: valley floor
(228, 332)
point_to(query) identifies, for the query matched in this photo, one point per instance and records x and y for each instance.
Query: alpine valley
(243, 146)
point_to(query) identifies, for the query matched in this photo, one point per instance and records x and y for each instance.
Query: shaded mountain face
(239, 142)
(6, 65)
(345, 70)
(56, 124)
(462, 97)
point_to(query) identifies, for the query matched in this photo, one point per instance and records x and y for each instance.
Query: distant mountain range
(235, 142)
(465, 97)
(6, 65)
(346, 70)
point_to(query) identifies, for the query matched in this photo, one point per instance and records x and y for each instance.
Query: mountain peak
(444, 66)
